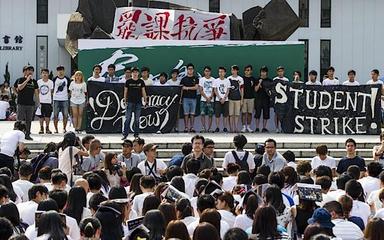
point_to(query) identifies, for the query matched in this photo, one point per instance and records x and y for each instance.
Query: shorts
(248, 105)
(60, 106)
(206, 108)
(46, 110)
(189, 106)
(262, 105)
(234, 107)
(221, 109)
(74, 105)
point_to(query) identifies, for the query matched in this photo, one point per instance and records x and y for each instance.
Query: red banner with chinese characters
(164, 24)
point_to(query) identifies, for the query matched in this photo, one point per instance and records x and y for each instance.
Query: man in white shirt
(138, 144)
(25, 173)
(4, 107)
(174, 80)
(45, 95)
(162, 82)
(207, 101)
(340, 182)
(96, 74)
(371, 182)
(273, 159)
(127, 75)
(359, 209)
(325, 182)
(152, 166)
(146, 77)
(375, 80)
(147, 186)
(111, 77)
(343, 229)
(330, 80)
(351, 79)
(373, 199)
(312, 78)
(221, 87)
(36, 194)
(60, 98)
(280, 70)
(240, 156)
(230, 181)
(190, 178)
(323, 159)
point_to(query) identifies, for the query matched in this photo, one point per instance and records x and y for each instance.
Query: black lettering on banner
(106, 108)
(328, 109)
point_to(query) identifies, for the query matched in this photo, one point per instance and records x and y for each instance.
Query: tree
(7, 75)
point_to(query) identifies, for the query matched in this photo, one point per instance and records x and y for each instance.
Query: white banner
(164, 24)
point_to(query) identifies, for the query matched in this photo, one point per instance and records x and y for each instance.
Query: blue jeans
(136, 109)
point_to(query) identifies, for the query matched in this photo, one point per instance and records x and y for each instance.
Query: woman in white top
(250, 205)
(78, 90)
(225, 205)
(184, 211)
(115, 173)
(51, 227)
(76, 204)
(273, 197)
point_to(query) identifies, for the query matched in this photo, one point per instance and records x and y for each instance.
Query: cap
(322, 217)
(60, 67)
(279, 67)
(127, 142)
(149, 146)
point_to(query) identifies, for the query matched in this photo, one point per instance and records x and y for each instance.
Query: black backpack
(242, 162)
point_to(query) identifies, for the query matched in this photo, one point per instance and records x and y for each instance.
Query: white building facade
(346, 34)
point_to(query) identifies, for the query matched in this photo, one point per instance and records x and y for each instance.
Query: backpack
(37, 163)
(243, 162)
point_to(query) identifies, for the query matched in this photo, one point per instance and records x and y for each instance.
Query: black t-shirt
(234, 91)
(264, 91)
(249, 87)
(25, 96)
(346, 162)
(134, 90)
(189, 82)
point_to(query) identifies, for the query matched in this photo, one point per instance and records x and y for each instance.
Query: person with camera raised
(115, 172)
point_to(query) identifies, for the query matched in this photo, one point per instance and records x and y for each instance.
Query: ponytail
(183, 205)
(89, 227)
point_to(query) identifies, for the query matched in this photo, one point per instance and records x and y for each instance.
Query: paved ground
(185, 137)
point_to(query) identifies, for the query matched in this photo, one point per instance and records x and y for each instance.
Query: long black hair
(51, 223)
(69, 140)
(111, 218)
(89, 226)
(184, 206)
(6, 182)
(274, 198)
(155, 222)
(77, 200)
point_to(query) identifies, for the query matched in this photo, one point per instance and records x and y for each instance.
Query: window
(214, 6)
(42, 11)
(41, 53)
(325, 57)
(304, 13)
(325, 14)
(305, 73)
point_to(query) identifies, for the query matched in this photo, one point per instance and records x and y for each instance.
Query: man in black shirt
(26, 88)
(189, 84)
(134, 91)
(249, 99)
(351, 158)
(263, 99)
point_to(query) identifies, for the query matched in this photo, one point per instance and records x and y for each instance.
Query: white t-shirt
(207, 85)
(27, 211)
(243, 221)
(148, 82)
(361, 209)
(170, 82)
(60, 92)
(160, 165)
(10, 141)
(227, 217)
(45, 90)
(328, 82)
(78, 91)
(373, 199)
(222, 87)
(347, 230)
(369, 184)
(381, 83)
(328, 161)
(99, 79)
(189, 220)
(158, 83)
(229, 158)
(348, 83)
(336, 194)
(224, 227)
(229, 182)
(317, 83)
(380, 214)
(138, 201)
(65, 161)
(281, 78)
(24, 185)
(4, 106)
(190, 182)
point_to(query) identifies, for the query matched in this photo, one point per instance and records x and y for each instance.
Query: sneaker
(28, 138)
(192, 130)
(277, 130)
(264, 130)
(258, 130)
(217, 130)
(186, 130)
(158, 132)
(41, 131)
(249, 129)
(47, 131)
(124, 137)
(202, 130)
(244, 129)
(176, 130)
(225, 130)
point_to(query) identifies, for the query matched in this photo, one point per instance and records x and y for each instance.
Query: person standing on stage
(134, 92)
(27, 88)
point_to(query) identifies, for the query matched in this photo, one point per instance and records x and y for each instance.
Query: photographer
(115, 172)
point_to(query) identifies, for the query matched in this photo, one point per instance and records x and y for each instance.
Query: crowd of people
(74, 190)
(229, 97)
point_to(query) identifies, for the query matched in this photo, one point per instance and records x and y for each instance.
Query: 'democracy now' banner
(165, 24)
(328, 109)
(106, 109)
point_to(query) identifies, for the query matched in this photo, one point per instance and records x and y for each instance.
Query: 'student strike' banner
(165, 24)
(106, 109)
(328, 109)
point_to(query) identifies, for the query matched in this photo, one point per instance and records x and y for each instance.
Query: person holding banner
(145, 76)
(174, 80)
(111, 77)
(330, 80)
(96, 74)
(351, 79)
(134, 92)
(280, 112)
(312, 79)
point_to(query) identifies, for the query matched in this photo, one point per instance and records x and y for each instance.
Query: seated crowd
(76, 191)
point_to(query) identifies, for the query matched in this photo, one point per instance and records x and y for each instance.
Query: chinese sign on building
(12, 43)
(163, 24)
